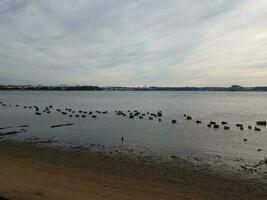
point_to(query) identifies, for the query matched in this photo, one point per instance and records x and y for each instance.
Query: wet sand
(30, 171)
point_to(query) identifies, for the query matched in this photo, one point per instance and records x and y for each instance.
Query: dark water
(184, 137)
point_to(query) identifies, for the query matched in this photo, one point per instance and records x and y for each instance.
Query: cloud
(133, 43)
(232, 50)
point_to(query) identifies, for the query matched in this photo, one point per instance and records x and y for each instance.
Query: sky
(133, 42)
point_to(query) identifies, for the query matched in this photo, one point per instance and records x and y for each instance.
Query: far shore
(30, 171)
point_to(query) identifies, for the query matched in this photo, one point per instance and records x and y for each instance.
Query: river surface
(184, 137)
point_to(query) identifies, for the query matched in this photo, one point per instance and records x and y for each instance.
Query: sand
(29, 171)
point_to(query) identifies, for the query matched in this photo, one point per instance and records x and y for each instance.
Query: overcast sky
(133, 42)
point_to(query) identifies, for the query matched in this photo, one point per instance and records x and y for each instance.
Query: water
(185, 137)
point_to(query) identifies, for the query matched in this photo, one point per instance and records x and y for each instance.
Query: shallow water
(184, 137)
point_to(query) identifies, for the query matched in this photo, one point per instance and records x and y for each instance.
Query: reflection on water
(183, 137)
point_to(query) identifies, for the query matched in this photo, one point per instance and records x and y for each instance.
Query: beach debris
(198, 122)
(174, 121)
(245, 140)
(261, 123)
(262, 162)
(249, 127)
(48, 141)
(224, 123)
(60, 125)
(259, 150)
(251, 170)
(226, 128)
(122, 139)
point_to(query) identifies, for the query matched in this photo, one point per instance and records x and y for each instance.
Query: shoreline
(116, 176)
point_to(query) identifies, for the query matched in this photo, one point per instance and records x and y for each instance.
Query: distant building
(236, 88)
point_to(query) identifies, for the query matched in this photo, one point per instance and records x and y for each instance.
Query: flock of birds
(129, 114)
(225, 125)
(69, 112)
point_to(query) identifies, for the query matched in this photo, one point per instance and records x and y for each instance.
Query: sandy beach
(30, 171)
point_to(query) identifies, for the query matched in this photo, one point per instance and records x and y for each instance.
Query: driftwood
(60, 125)
(12, 132)
(24, 126)
(4, 128)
